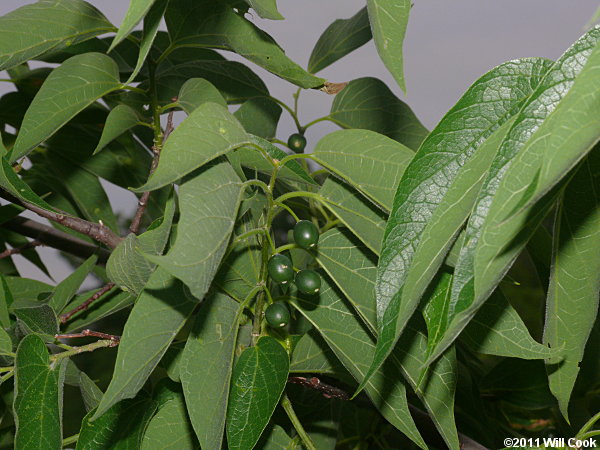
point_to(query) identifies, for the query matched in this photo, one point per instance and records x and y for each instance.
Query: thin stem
(589, 424)
(296, 97)
(8, 376)
(288, 109)
(278, 141)
(55, 238)
(287, 406)
(96, 231)
(17, 250)
(6, 369)
(70, 440)
(288, 209)
(133, 89)
(589, 434)
(85, 305)
(320, 119)
(286, 247)
(85, 348)
(88, 333)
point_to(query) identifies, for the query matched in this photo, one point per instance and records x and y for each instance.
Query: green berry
(306, 234)
(280, 268)
(297, 142)
(308, 281)
(277, 315)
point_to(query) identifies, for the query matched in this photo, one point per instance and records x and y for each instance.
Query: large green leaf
(208, 132)
(38, 397)
(38, 318)
(119, 120)
(370, 162)
(121, 427)
(159, 313)
(169, 428)
(67, 288)
(235, 81)
(360, 215)
(353, 270)
(572, 304)
(205, 23)
(208, 201)
(206, 366)
(340, 38)
(389, 19)
(346, 335)
(369, 104)
(70, 88)
(312, 355)
(436, 174)
(32, 30)
(258, 380)
(135, 13)
(267, 9)
(502, 220)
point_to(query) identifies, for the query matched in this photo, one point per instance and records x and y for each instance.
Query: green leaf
(32, 30)
(210, 24)
(126, 267)
(26, 289)
(36, 318)
(497, 329)
(275, 438)
(6, 345)
(572, 304)
(340, 38)
(38, 397)
(169, 428)
(368, 161)
(13, 184)
(90, 392)
(389, 19)
(197, 91)
(208, 132)
(259, 116)
(353, 270)
(346, 335)
(206, 366)
(152, 22)
(119, 120)
(69, 89)
(502, 222)
(234, 80)
(85, 190)
(6, 300)
(121, 427)
(135, 13)
(312, 355)
(258, 380)
(67, 288)
(209, 200)
(360, 215)
(251, 158)
(438, 175)
(267, 9)
(159, 313)
(369, 104)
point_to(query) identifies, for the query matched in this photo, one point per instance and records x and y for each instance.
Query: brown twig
(143, 201)
(54, 238)
(85, 305)
(327, 390)
(17, 250)
(92, 333)
(96, 231)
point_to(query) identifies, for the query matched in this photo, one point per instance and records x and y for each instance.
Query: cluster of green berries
(306, 235)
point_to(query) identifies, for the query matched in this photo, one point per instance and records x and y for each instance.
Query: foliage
(419, 289)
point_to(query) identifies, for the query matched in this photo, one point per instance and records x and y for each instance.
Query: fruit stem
(287, 406)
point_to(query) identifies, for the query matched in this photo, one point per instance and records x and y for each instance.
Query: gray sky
(449, 44)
